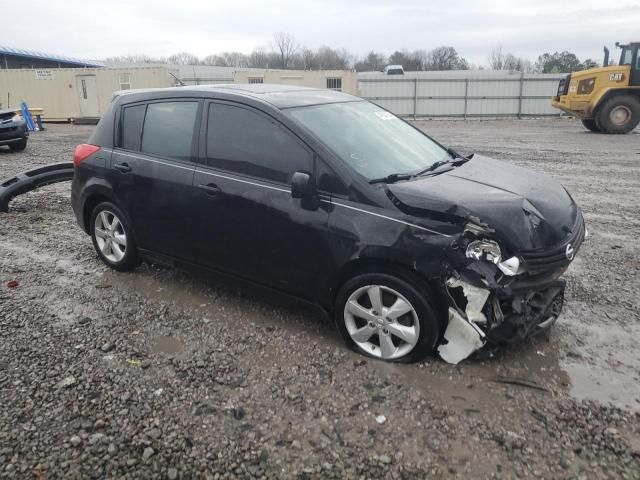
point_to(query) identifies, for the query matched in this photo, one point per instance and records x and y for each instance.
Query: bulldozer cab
(630, 56)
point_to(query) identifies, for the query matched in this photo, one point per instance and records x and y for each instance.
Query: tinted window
(246, 142)
(328, 181)
(168, 129)
(132, 118)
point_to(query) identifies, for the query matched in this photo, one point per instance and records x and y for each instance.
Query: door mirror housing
(302, 185)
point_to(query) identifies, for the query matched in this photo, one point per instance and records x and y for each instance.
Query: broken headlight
(490, 251)
(484, 249)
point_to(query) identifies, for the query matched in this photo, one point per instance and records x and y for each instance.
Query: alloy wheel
(110, 236)
(381, 322)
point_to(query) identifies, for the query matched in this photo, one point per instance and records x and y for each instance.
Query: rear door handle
(122, 167)
(211, 189)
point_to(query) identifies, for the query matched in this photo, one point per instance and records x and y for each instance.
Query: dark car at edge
(409, 246)
(13, 130)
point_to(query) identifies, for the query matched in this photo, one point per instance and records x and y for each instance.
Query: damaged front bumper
(503, 301)
(502, 315)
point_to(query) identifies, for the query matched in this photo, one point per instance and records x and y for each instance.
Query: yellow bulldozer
(606, 99)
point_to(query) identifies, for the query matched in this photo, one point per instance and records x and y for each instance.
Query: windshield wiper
(455, 159)
(392, 178)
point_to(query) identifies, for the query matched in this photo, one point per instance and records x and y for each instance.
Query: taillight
(82, 152)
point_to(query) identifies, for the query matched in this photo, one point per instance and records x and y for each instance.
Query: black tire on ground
(430, 326)
(619, 114)
(122, 254)
(18, 146)
(591, 125)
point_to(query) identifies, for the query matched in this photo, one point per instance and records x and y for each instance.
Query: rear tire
(112, 237)
(18, 146)
(591, 125)
(387, 317)
(619, 114)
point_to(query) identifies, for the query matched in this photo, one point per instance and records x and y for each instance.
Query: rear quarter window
(132, 120)
(168, 129)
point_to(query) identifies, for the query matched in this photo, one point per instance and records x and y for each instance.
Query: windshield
(374, 142)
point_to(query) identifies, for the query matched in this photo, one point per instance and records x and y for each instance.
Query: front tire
(112, 237)
(591, 125)
(619, 114)
(18, 146)
(387, 317)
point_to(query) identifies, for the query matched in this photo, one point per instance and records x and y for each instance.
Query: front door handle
(211, 189)
(122, 167)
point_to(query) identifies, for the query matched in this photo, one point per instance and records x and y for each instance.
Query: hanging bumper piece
(31, 179)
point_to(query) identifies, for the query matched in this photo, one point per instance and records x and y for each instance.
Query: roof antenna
(182, 84)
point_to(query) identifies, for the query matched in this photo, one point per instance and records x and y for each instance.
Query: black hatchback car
(411, 247)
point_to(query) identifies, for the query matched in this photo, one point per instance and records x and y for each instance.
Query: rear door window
(132, 119)
(247, 142)
(168, 129)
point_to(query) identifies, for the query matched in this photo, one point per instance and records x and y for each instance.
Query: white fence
(462, 94)
(458, 93)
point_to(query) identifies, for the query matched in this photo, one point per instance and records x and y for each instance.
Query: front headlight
(17, 118)
(490, 251)
(585, 87)
(487, 249)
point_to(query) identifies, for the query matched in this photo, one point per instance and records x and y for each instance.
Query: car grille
(8, 129)
(538, 261)
(563, 86)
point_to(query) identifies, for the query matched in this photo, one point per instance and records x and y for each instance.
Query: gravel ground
(164, 374)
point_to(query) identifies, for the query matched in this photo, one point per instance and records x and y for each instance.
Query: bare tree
(445, 58)
(259, 58)
(498, 60)
(284, 52)
(235, 59)
(307, 59)
(183, 58)
(139, 58)
(286, 47)
(373, 62)
(214, 59)
(326, 58)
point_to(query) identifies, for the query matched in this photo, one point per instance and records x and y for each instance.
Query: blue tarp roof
(20, 52)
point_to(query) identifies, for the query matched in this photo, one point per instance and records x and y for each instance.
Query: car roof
(280, 96)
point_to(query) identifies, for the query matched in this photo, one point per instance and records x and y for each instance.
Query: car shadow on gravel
(197, 290)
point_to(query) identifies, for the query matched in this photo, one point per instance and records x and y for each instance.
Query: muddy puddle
(596, 362)
(166, 344)
(602, 359)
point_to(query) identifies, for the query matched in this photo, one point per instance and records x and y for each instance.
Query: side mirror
(302, 185)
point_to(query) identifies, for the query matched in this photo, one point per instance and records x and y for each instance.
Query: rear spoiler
(31, 179)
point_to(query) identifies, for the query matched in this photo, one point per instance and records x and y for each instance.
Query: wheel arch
(614, 92)
(94, 195)
(359, 266)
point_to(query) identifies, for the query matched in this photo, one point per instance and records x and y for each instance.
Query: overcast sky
(98, 29)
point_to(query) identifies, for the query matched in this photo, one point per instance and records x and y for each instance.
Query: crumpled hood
(528, 210)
